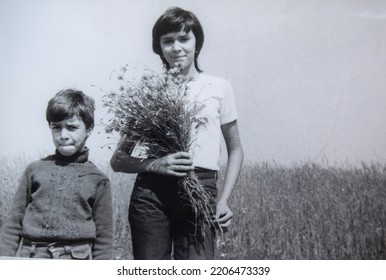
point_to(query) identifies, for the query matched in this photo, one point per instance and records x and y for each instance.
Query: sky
(309, 76)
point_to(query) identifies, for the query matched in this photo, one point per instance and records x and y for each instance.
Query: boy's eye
(72, 128)
(55, 127)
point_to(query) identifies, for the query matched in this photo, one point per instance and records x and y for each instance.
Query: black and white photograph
(193, 130)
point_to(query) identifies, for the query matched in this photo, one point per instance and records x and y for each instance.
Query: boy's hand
(177, 164)
(223, 215)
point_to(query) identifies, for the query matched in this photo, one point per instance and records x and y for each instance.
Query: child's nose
(64, 134)
(176, 46)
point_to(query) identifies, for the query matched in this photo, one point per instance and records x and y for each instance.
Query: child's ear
(89, 131)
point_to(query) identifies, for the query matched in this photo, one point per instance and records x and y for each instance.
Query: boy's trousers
(163, 225)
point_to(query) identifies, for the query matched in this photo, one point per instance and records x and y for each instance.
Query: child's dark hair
(68, 103)
(174, 20)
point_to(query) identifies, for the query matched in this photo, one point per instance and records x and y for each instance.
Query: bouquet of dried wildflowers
(156, 110)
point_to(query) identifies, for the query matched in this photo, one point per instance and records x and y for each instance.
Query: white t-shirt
(216, 94)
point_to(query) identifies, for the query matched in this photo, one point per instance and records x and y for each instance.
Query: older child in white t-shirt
(160, 224)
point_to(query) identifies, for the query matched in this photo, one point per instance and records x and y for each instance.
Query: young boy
(63, 206)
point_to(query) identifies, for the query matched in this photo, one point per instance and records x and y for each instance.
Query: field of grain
(307, 211)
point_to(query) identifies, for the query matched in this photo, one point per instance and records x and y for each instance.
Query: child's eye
(72, 128)
(167, 41)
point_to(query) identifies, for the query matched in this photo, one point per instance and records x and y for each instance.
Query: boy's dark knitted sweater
(70, 200)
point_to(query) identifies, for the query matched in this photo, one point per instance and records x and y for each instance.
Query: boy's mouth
(65, 145)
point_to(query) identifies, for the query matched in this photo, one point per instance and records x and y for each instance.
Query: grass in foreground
(306, 212)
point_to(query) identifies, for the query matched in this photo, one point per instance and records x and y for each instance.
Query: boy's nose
(64, 134)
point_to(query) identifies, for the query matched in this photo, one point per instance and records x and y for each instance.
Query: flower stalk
(159, 112)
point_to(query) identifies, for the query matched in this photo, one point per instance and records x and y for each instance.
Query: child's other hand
(223, 215)
(177, 164)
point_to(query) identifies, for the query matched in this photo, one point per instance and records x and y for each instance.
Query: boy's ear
(89, 131)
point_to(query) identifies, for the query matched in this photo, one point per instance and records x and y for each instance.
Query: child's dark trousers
(162, 225)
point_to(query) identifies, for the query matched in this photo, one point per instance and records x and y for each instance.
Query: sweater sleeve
(11, 230)
(103, 219)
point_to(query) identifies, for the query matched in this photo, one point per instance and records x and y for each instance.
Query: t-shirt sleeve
(228, 111)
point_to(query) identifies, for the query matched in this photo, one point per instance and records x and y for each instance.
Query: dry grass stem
(158, 111)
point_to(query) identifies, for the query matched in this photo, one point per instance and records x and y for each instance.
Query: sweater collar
(79, 157)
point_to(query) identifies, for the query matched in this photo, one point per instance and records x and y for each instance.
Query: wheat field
(307, 211)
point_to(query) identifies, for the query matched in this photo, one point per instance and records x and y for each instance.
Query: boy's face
(69, 135)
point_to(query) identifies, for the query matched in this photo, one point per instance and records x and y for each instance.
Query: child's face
(69, 135)
(179, 48)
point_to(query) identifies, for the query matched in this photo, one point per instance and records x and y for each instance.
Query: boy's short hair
(68, 103)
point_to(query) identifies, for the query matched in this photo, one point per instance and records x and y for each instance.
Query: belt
(28, 242)
(207, 173)
(200, 169)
